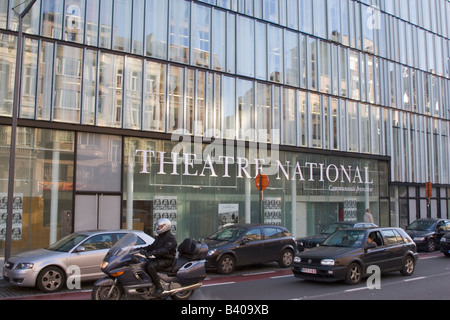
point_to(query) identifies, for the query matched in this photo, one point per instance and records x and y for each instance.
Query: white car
(48, 269)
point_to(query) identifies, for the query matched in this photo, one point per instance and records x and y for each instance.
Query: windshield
(67, 243)
(337, 226)
(422, 225)
(124, 245)
(227, 234)
(345, 238)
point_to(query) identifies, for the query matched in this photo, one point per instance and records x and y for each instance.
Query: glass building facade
(131, 110)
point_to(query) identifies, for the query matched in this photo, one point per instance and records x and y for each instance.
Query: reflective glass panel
(218, 54)
(89, 87)
(245, 46)
(99, 162)
(156, 28)
(179, 31)
(133, 94)
(122, 25)
(201, 37)
(7, 72)
(109, 109)
(45, 86)
(67, 101)
(154, 96)
(74, 20)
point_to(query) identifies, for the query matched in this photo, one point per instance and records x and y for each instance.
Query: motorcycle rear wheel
(105, 293)
(183, 295)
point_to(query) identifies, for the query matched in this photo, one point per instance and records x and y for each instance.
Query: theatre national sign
(340, 178)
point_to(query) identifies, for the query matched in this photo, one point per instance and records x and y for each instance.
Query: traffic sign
(262, 182)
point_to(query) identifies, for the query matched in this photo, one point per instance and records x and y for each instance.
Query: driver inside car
(163, 249)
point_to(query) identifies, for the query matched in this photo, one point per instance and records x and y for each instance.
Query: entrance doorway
(97, 211)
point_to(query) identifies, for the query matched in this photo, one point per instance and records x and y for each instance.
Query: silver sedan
(78, 254)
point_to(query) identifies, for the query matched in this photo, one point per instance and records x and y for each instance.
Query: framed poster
(228, 213)
(165, 207)
(17, 216)
(272, 211)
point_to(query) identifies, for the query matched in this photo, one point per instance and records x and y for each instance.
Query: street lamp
(12, 154)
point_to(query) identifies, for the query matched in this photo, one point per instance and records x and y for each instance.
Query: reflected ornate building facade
(126, 104)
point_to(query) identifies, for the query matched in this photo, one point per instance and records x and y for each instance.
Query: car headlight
(443, 239)
(419, 238)
(297, 259)
(24, 266)
(327, 262)
(211, 252)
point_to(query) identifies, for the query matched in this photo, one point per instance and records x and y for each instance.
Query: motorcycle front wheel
(110, 292)
(183, 295)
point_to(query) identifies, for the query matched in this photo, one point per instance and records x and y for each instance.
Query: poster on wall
(165, 207)
(272, 211)
(228, 213)
(350, 209)
(17, 216)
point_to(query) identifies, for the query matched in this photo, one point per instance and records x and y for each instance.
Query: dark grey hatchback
(347, 254)
(246, 244)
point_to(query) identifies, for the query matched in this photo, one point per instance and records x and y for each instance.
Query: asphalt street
(430, 281)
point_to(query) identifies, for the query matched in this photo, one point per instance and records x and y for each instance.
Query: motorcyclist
(163, 249)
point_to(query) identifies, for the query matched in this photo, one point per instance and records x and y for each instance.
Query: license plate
(307, 270)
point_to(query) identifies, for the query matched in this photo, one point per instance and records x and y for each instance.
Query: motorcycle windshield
(124, 245)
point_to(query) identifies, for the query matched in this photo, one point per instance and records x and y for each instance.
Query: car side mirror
(369, 246)
(245, 240)
(80, 249)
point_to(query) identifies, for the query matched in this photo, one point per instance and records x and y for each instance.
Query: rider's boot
(158, 290)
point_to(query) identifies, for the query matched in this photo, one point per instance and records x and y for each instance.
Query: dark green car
(348, 253)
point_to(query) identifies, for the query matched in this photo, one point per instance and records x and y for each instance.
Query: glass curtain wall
(43, 186)
(198, 187)
(331, 75)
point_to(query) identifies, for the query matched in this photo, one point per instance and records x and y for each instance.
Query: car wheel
(226, 264)
(287, 258)
(408, 266)
(51, 279)
(431, 246)
(354, 274)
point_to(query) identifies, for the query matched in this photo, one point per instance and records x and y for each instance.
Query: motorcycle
(127, 277)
